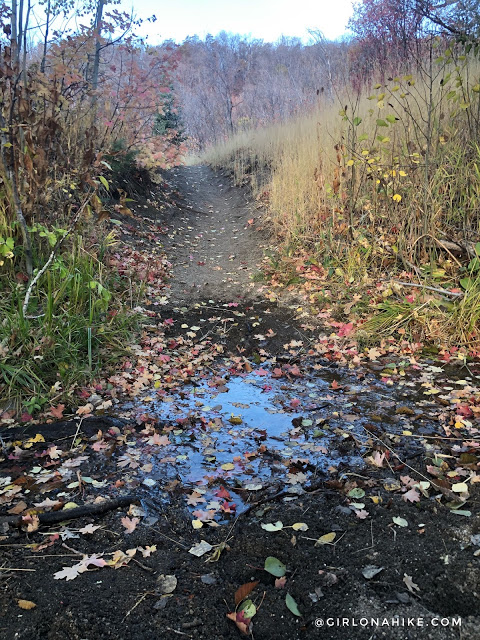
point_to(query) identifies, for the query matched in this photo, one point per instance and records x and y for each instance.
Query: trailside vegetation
(80, 109)
(374, 189)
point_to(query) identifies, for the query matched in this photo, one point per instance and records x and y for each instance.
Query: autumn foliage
(73, 108)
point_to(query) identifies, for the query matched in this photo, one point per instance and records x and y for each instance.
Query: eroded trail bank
(254, 447)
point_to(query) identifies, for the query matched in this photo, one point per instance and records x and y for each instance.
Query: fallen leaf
(277, 526)
(166, 583)
(275, 567)
(328, 538)
(370, 571)
(376, 460)
(130, 524)
(200, 548)
(31, 522)
(248, 609)
(362, 514)
(85, 410)
(18, 508)
(253, 487)
(69, 573)
(47, 504)
(245, 590)
(148, 550)
(411, 586)
(401, 522)
(356, 493)
(89, 528)
(411, 496)
(300, 526)
(57, 412)
(26, 604)
(292, 605)
(244, 626)
(159, 440)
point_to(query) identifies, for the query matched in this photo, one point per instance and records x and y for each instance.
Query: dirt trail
(243, 433)
(213, 248)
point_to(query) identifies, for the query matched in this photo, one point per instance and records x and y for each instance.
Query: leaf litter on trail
(201, 428)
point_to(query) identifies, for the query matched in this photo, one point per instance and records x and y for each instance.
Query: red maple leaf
(464, 410)
(57, 412)
(223, 493)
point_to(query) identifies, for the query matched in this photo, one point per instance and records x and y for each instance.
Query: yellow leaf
(300, 526)
(197, 524)
(37, 438)
(350, 163)
(26, 604)
(459, 487)
(397, 197)
(402, 173)
(376, 499)
(235, 419)
(228, 466)
(328, 538)
(69, 505)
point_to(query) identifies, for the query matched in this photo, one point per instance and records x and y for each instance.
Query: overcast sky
(264, 19)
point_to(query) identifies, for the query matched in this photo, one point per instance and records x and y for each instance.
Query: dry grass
(380, 187)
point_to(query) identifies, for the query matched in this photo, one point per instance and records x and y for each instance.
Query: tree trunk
(45, 40)
(14, 26)
(97, 27)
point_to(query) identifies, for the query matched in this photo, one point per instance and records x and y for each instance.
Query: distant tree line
(229, 83)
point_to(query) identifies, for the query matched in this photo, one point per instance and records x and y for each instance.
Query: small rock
(315, 597)
(95, 400)
(475, 539)
(161, 604)
(404, 598)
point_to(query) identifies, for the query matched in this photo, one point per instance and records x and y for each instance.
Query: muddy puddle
(274, 428)
(231, 437)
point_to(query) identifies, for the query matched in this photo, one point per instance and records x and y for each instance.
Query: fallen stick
(269, 498)
(281, 494)
(53, 517)
(444, 292)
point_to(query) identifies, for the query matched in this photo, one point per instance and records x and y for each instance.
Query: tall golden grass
(380, 182)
